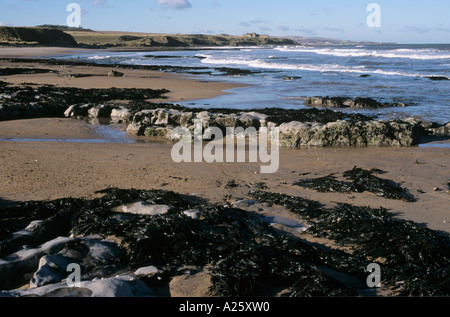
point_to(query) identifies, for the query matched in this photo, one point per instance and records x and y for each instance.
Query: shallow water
(387, 73)
(68, 140)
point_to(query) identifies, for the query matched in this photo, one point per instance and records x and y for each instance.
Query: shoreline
(48, 171)
(182, 87)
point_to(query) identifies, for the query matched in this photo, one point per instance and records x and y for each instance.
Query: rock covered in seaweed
(344, 102)
(350, 133)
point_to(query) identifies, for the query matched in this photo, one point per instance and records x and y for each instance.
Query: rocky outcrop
(344, 102)
(370, 132)
(37, 36)
(345, 133)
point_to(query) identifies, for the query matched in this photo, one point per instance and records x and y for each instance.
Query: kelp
(244, 252)
(361, 181)
(414, 259)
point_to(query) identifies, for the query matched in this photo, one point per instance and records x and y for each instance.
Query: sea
(284, 76)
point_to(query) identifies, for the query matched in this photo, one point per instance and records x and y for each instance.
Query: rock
(249, 118)
(205, 117)
(15, 266)
(52, 269)
(119, 286)
(162, 118)
(193, 213)
(146, 271)
(136, 128)
(102, 111)
(121, 114)
(346, 133)
(144, 208)
(438, 77)
(243, 203)
(276, 220)
(114, 73)
(75, 111)
(344, 102)
(186, 119)
(155, 132)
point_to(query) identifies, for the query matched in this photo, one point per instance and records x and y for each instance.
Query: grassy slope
(128, 39)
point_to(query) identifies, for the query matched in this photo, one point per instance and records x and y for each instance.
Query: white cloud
(175, 4)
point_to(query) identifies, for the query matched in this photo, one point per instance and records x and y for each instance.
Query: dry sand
(182, 87)
(50, 170)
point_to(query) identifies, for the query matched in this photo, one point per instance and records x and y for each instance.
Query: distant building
(256, 35)
(252, 35)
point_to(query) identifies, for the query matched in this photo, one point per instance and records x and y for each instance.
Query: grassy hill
(69, 37)
(130, 39)
(35, 36)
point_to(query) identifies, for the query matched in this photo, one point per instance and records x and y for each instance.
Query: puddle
(435, 145)
(108, 133)
(68, 140)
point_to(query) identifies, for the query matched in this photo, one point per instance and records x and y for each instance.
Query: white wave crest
(418, 54)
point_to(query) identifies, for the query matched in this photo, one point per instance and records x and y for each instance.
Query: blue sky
(403, 21)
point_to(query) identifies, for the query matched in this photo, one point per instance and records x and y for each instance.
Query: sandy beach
(45, 170)
(27, 166)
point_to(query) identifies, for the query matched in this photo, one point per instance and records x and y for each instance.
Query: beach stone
(119, 286)
(276, 220)
(226, 120)
(15, 266)
(97, 257)
(51, 269)
(155, 132)
(253, 118)
(205, 116)
(243, 203)
(102, 111)
(136, 128)
(144, 208)
(114, 73)
(193, 213)
(146, 271)
(77, 111)
(121, 114)
(186, 119)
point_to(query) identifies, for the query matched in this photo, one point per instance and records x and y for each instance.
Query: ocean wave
(258, 63)
(418, 54)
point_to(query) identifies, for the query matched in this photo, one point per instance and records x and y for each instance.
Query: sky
(401, 21)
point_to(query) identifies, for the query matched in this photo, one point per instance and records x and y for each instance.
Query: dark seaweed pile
(246, 255)
(278, 115)
(49, 101)
(16, 71)
(414, 260)
(362, 180)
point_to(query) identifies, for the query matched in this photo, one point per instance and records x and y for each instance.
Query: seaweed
(415, 260)
(244, 252)
(327, 184)
(362, 180)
